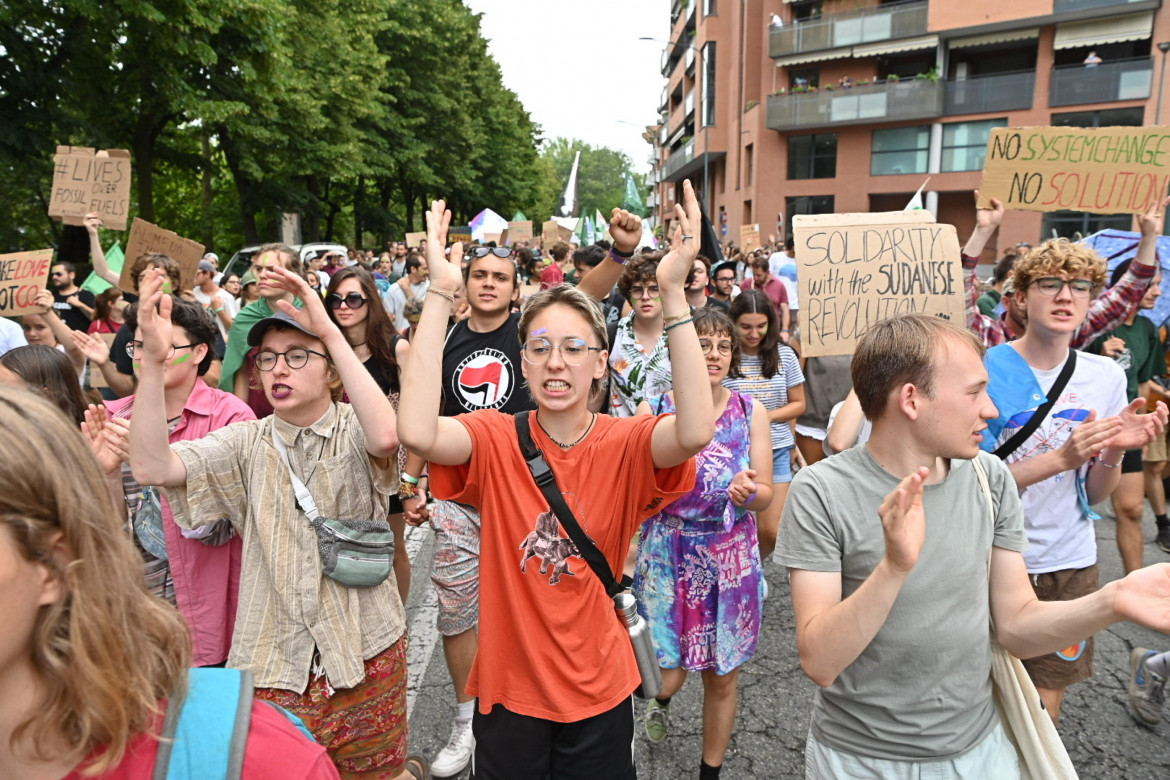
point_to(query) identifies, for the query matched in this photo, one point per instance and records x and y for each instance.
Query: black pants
(519, 747)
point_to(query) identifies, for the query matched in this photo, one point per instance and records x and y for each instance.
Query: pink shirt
(774, 289)
(207, 578)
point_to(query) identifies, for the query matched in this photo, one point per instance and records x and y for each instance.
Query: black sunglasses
(484, 251)
(353, 301)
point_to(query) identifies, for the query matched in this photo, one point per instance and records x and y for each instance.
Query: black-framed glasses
(134, 349)
(353, 300)
(637, 292)
(297, 357)
(1052, 285)
(725, 278)
(573, 351)
(477, 252)
(724, 347)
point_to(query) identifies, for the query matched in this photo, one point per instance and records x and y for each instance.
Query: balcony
(677, 159)
(891, 101)
(1120, 6)
(1108, 82)
(994, 92)
(869, 25)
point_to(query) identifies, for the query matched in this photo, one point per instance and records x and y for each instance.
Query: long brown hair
(107, 652)
(47, 371)
(753, 301)
(380, 330)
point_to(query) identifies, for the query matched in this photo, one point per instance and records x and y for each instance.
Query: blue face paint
(538, 332)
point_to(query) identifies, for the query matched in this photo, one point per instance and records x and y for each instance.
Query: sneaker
(1163, 538)
(1145, 689)
(657, 720)
(455, 757)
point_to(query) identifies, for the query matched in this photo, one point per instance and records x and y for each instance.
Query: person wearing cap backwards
(332, 653)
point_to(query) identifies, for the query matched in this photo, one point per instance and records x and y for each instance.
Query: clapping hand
(108, 438)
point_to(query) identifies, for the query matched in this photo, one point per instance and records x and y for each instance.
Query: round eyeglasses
(297, 357)
(573, 351)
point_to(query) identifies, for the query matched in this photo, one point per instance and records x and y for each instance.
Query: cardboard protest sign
(856, 269)
(749, 237)
(97, 380)
(564, 234)
(1103, 170)
(145, 237)
(528, 290)
(550, 233)
(519, 231)
(493, 238)
(22, 276)
(85, 182)
(459, 233)
(414, 239)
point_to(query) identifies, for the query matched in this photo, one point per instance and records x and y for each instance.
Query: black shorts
(1131, 462)
(520, 747)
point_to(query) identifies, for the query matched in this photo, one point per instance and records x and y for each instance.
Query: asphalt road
(775, 696)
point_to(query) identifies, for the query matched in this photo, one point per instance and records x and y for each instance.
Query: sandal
(418, 767)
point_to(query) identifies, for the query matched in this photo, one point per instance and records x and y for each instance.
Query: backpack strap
(198, 741)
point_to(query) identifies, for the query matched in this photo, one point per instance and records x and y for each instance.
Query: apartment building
(786, 107)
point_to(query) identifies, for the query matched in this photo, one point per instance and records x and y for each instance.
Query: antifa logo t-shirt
(482, 370)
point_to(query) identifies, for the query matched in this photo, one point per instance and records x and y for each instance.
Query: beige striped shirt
(287, 606)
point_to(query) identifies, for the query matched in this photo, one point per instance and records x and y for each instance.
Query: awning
(1098, 32)
(995, 37)
(814, 56)
(889, 47)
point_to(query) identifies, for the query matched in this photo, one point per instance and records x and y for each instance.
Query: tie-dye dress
(698, 577)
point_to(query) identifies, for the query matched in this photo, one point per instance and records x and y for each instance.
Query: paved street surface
(775, 696)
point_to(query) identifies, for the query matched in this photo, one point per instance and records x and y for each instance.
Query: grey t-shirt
(922, 688)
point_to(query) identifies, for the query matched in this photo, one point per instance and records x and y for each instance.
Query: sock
(663, 702)
(1162, 520)
(707, 772)
(464, 710)
(1159, 664)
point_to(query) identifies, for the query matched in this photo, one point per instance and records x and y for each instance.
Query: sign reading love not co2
(1104, 170)
(856, 269)
(22, 276)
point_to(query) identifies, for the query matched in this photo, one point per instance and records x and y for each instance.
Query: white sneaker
(455, 757)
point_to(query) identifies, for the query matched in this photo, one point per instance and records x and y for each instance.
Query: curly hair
(642, 269)
(156, 260)
(106, 652)
(1058, 257)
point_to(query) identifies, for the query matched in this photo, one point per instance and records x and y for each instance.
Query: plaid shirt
(1105, 313)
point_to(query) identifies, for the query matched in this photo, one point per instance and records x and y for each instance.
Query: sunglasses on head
(484, 251)
(353, 301)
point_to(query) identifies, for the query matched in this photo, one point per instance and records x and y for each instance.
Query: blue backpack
(205, 732)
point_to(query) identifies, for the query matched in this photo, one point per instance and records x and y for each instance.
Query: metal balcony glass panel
(1064, 6)
(867, 25)
(994, 92)
(689, 104)
(678, 159)
(865, 104)
(1108, 82)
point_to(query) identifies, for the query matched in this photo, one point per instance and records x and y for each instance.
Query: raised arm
(986, 223)
(151, 458)
(61, 331)
(373, 408)
(626, 229)
(690, 429)
(437, 439)
(100, 266)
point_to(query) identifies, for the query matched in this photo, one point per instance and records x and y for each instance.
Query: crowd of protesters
(218, 473)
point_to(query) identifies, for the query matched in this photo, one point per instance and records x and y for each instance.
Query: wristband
(412, 480)
(406, 490)
(619, 257)
(668, 328)
(1116, 465)
(442, 294)
(668, 320)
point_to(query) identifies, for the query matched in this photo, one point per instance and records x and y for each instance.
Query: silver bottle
(626, 607)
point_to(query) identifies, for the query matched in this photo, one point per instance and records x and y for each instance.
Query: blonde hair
(1058, 257)
(571, 297)
(107, 652)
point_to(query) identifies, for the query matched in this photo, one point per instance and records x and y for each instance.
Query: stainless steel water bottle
(626, 607)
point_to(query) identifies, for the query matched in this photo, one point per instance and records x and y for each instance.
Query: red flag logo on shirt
(484, 380)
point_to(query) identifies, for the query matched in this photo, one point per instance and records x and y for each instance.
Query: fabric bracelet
(673, 318)
(618, 257)
(669, 328)
(442, 294)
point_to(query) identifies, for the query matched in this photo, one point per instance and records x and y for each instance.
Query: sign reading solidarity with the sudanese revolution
(856, 269)
(146, 237)
(1104, 170)
(85, 182)
(22, 276)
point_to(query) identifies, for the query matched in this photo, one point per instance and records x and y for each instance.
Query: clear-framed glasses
(297, 357)
(134, 349)
(484, 251)
(637, 292)
(353, 300)
(1052, 285)
(707, 345)
(573, 351)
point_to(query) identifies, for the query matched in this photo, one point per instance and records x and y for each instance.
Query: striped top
(772, 393)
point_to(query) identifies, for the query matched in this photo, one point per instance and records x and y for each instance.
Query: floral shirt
(634, 374)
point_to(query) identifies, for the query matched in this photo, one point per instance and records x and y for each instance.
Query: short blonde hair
(571, 297)
(1058, 257)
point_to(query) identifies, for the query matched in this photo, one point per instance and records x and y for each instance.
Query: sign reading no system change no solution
(1104, 170)
(856, 269)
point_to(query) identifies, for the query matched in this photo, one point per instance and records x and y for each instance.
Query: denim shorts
(782, 464)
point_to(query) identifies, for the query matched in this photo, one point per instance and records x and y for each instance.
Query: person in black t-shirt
(73, 305)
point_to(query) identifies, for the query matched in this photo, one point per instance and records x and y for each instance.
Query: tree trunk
(143, 145)
(243, 188)
(359, 206)
(208, 222)
(311, 218)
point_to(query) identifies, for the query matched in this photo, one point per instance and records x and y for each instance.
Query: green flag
(114, 259)
(633, 200)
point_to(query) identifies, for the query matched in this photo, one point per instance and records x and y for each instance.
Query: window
(900, 150)
(1067, 224)
(1113, 117)
(803, 10)
(812, 156)
(709, 84)
(749, 160)
(802, 78)
(811, 204)
(710, 7)
(965, 144)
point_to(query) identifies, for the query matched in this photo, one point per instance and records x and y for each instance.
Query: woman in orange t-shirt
(555, 669)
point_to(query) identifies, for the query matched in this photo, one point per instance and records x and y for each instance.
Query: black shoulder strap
(611, 332)
(542, 473)
(1013, 444)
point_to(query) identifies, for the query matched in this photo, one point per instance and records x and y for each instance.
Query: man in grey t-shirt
(889, 545)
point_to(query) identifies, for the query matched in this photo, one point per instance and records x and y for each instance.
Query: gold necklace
(561, 444)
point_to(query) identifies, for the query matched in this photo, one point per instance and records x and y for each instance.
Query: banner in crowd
(518, 231)
(86, 182)
(549, 234)
(856, 269)
(1103, 170)
(413, 240)
(22, 276)
(459, 233)
(145, 237)
(749, 237)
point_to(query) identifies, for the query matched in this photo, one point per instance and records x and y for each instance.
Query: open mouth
(281, 391)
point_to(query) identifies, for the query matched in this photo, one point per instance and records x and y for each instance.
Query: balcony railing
(993, 92)
(869, 25)
(1108, 82)
(890, 101)
(1064, 6)
(678, 159)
